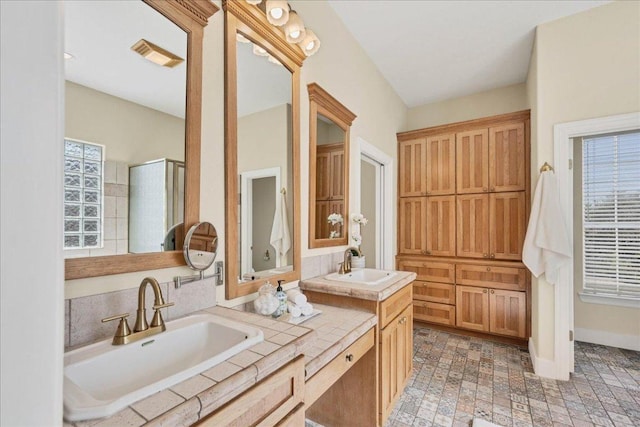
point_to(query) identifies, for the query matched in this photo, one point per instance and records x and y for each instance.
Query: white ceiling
(99, 34)
(435, 50)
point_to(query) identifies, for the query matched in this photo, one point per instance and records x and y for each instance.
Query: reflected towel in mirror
(280, 237)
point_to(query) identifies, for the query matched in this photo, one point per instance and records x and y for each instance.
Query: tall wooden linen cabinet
(463, 209)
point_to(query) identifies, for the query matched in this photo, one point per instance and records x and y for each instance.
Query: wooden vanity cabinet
(273, 401)
(394, 338)
(491, 310)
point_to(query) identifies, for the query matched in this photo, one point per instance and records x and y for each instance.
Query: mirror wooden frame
(191, 16)
(321, 102)
(252, 22)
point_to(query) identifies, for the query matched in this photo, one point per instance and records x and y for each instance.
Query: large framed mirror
(329, 125)
(262, 79)
(132, 133)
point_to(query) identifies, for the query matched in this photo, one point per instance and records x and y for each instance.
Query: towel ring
(546, 167)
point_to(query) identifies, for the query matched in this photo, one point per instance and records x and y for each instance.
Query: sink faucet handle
(123, 329)
(158, 307)
(341, 269)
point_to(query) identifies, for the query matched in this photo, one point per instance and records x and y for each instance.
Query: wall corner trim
(542, 367)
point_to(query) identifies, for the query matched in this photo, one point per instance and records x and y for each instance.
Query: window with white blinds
(611, 214)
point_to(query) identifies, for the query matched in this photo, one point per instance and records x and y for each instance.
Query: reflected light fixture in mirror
(188, 17)
(262, 105)
(329, 125)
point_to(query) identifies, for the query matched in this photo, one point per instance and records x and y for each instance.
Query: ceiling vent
(156, 54)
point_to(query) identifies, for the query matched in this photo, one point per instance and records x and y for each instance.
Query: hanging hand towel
(280, 237)
(546, 244)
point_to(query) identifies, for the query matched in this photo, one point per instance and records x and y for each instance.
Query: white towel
(546, 244)
(294, 310)
(296, 297)
(306, 309)
(280, 237)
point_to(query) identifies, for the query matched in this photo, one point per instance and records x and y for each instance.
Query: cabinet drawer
(434, 312)
(394, 305)
(429, 271)
(294, 419)
(327, 376)
(434, 292)
(267, 402)
(491, 276)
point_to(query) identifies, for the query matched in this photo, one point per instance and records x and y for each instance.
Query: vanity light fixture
(156, 54)
(294, 30)
(242, 39)
(273, 60)
(310, 43)
(277, 12)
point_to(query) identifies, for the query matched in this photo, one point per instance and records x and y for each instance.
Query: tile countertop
(320, 339)
(356, 290)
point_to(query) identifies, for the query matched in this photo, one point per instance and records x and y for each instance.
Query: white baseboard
(541, 367)
(594, 336)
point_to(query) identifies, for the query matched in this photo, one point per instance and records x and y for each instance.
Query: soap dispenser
(282, 299)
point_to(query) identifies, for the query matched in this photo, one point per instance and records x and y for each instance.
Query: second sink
(363, 276)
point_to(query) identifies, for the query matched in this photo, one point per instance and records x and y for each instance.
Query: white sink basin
(363, 276)
(101, 379)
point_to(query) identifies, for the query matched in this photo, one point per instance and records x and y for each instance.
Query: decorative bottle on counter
(282, 299)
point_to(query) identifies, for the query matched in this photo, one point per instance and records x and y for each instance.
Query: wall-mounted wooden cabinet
(463, 207)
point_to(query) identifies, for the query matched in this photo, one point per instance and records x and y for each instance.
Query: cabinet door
(472, 226)
(472, 161)
(336, 169)
(441, 165)
(507, 225)
(441, 226)
(507, 158)
(323, 175)
(413, 168)
(396, 349)
(472, 308)
(413, 221)
(322, 225)
(508, 313)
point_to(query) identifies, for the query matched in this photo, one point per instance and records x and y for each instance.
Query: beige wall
(489, 103)
(586, 65)
(368, 209)
(131, 132)
(342, 68)
(328, 133)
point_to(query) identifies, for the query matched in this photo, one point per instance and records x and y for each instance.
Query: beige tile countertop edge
(321, 337)
(356, 290)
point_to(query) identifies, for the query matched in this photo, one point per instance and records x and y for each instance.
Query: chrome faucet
(141, 329)
(345, 265)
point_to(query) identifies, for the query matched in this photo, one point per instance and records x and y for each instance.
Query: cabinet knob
(427, 252)
(485, 255)
(485, 189)
(349, 357)
(488, 268)
(492, 256)
(492, 291)
(492, 189)
(484, 291)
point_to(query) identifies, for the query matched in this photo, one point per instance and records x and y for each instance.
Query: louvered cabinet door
(472, 161)
(413, 168)
(441, 165)
(507, 158)
(507, 313)
(507, 225)
(472, 225)
(441, 226)
(472, 308)
(412, 224)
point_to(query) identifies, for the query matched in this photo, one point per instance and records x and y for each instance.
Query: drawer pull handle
(488, 268)
(403, 320)
(492, 291)
(349, 357)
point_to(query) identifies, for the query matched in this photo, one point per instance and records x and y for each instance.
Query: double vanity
(224, 366)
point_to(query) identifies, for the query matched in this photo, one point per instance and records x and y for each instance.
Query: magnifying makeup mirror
(200, 250)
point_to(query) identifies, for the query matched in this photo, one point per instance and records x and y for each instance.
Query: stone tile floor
(456, 378)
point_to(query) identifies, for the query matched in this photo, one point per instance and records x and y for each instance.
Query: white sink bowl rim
(363, 276)
(100, 379)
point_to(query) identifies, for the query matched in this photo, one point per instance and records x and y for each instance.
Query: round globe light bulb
(276, 13)
(310, 45)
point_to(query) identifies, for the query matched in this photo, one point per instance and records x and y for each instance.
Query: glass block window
(83, 191)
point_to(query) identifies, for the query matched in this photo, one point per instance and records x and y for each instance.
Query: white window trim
(609, 300)
(563, 362)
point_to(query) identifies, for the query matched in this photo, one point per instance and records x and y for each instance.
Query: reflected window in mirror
(329, 124)
(135, 107)
(133, 86)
